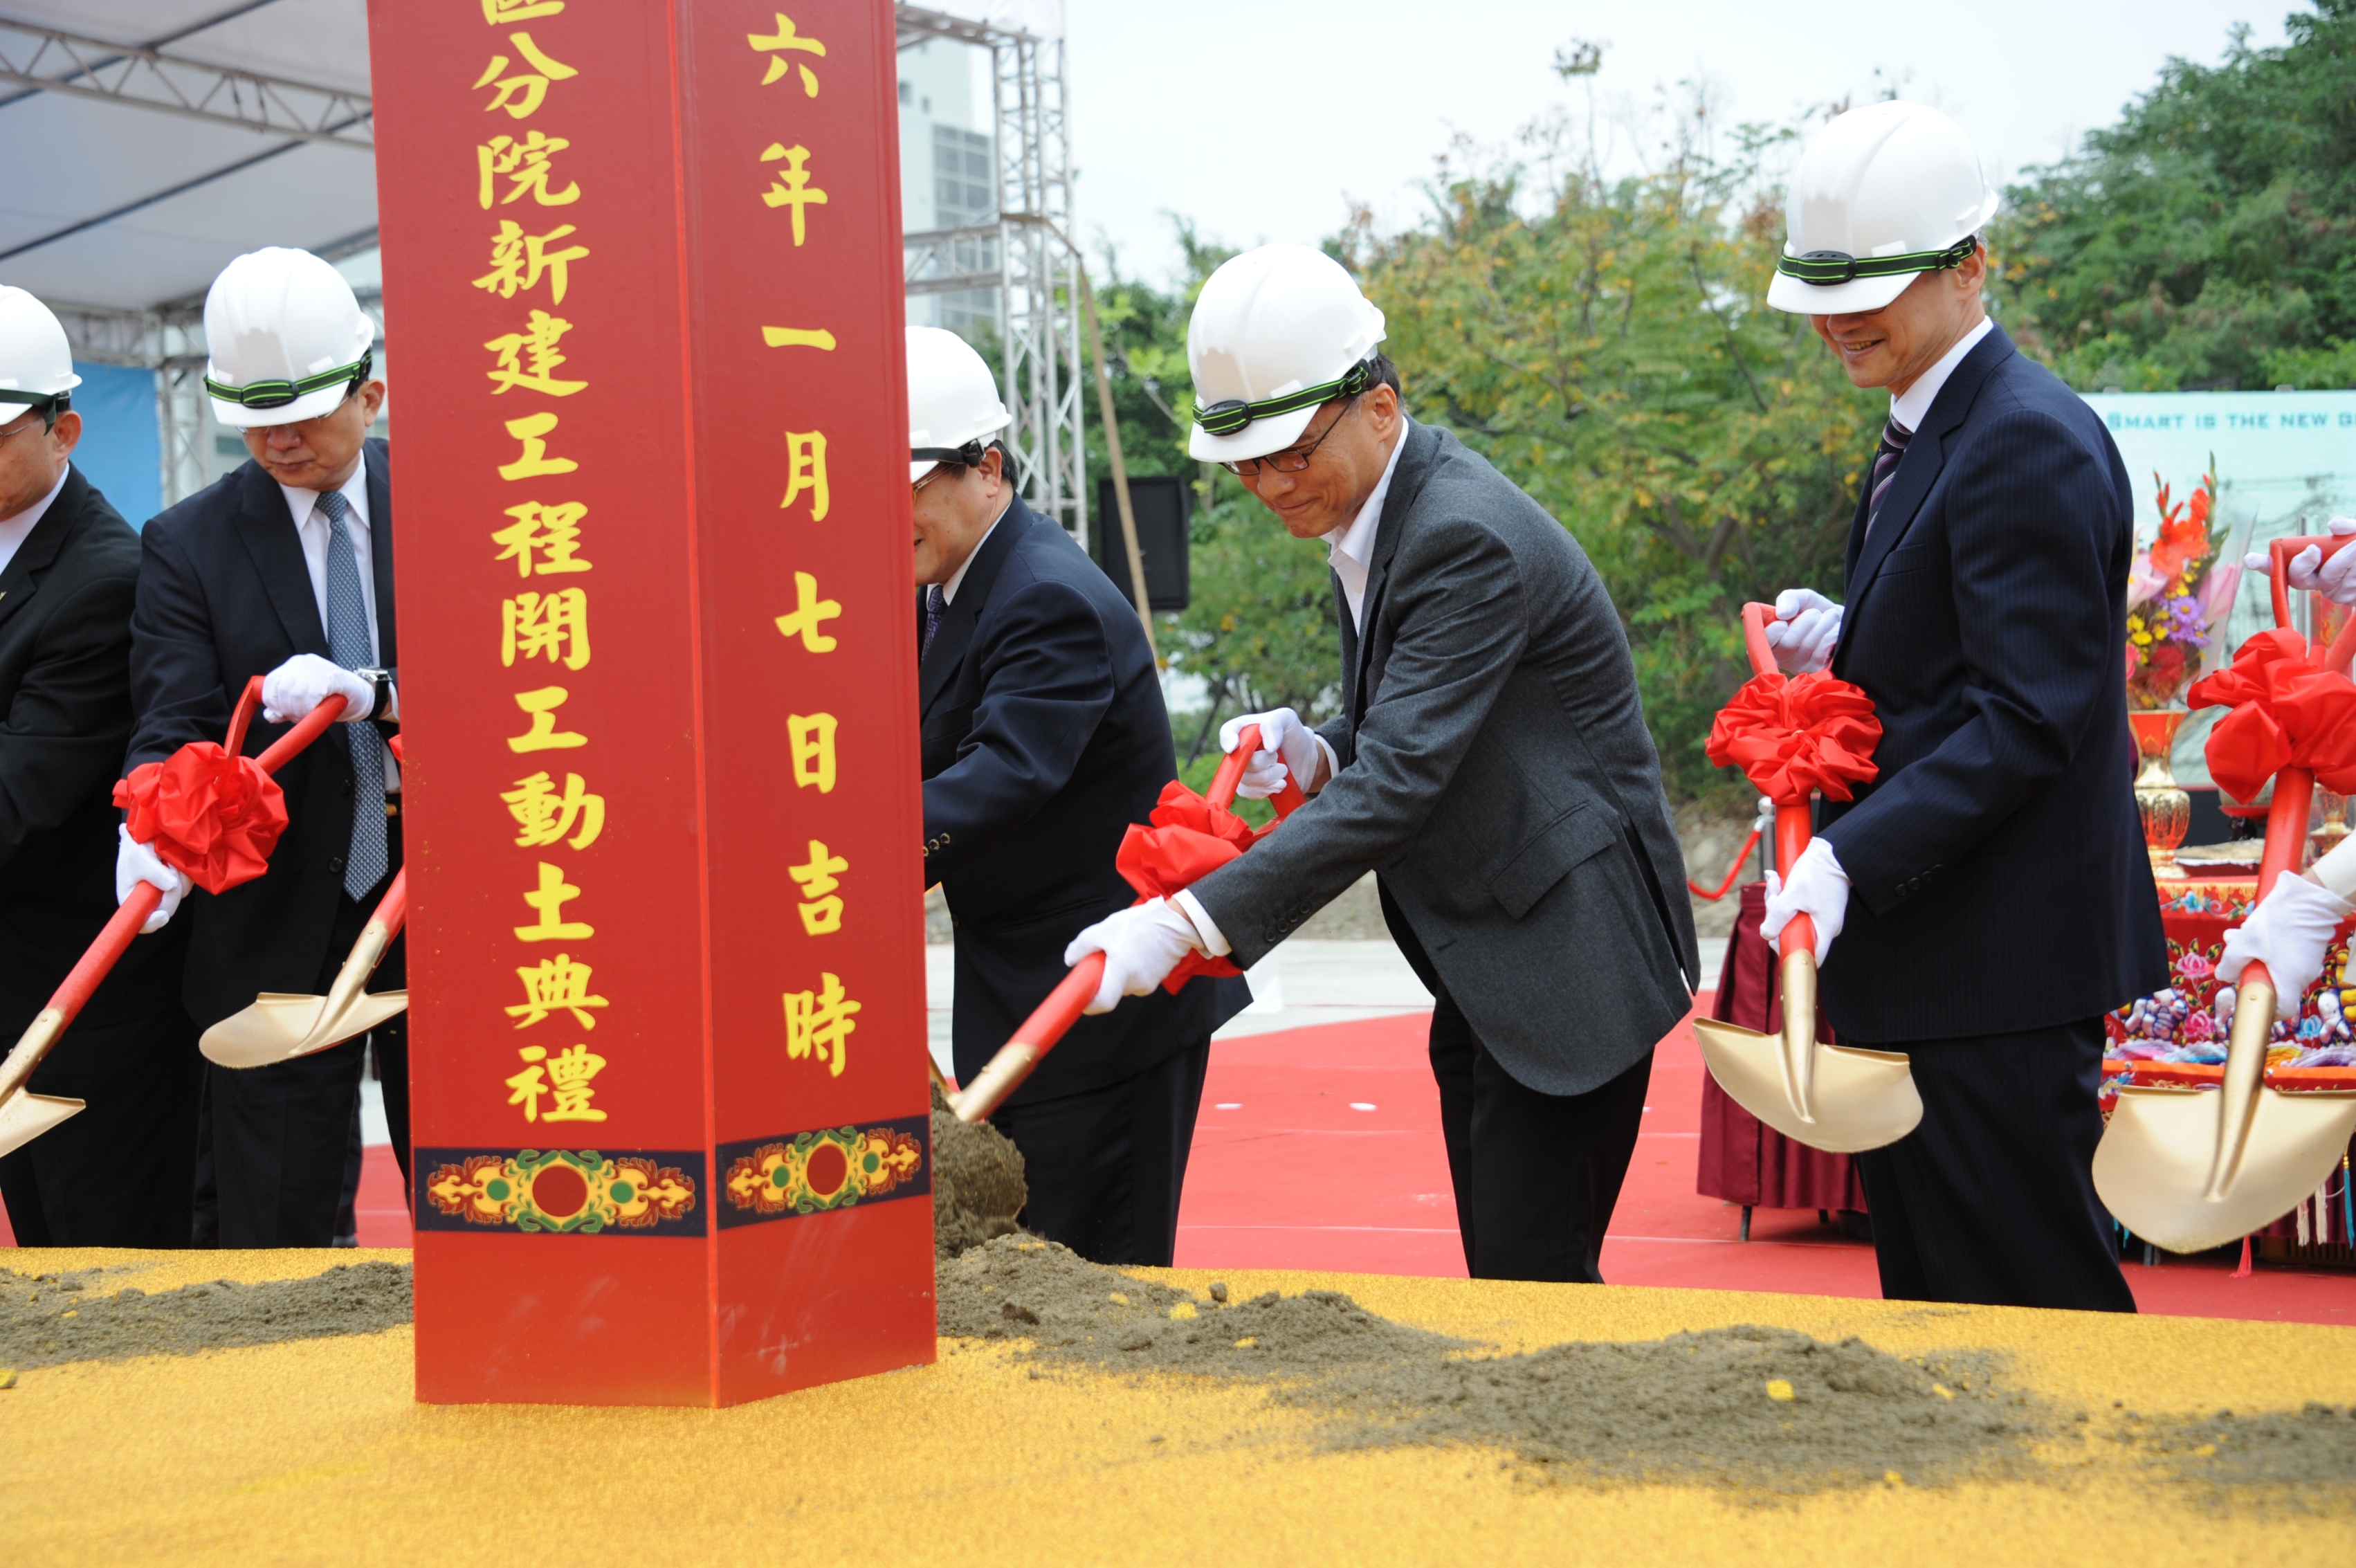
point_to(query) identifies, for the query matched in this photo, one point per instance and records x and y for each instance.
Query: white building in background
(949, 179)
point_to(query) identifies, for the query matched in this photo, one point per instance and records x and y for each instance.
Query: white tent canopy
(166, 136)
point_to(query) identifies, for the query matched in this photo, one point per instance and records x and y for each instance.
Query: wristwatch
(381, 681)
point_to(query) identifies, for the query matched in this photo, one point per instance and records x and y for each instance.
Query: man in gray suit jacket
(1490, 764)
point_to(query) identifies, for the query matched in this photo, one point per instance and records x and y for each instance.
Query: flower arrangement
(2178, 593)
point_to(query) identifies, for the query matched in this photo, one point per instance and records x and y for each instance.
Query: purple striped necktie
(935, 602)
(1886, 458)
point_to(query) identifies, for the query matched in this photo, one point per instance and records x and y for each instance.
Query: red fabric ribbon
(1190, 838)
(211, 816)
(1792, 736)
(2286, 714)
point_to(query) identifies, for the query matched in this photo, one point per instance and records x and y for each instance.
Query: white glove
(1806, 625)
(1141, 945)
(2310, 573)
(1819, 890)
(135, 863)
(306, 681)
(2288, 932)
(1289, 748)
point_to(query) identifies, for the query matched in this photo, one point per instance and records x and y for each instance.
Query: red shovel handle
(1756, 619)
(1052, 1018)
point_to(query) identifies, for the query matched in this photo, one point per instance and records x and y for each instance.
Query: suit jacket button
(346, 787)
(335, 864)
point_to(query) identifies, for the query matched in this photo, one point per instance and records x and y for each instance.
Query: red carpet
(1319, 1148)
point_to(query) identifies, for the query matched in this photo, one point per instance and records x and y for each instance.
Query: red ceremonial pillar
(642, 262)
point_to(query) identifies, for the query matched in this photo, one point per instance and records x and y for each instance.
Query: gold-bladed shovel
(2191, 1169)
(1841, 1099)
(280, 1027)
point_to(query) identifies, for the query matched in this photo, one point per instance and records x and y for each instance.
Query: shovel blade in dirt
(280, 1027)
(27, 1116)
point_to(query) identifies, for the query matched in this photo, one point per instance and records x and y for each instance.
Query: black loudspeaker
(1164, 508)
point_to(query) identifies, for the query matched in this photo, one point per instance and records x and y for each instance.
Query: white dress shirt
(14, 531)
(1350, 549)
(1913, 406)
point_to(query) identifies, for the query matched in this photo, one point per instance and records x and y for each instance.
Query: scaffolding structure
(1020, 253)
(1023, 255)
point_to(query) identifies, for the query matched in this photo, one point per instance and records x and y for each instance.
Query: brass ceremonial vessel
(2165, 810)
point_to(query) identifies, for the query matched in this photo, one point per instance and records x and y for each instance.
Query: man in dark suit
(119, 1173)
(1987, 898)
(1491, 763)
(1044, 738)
(283, 569)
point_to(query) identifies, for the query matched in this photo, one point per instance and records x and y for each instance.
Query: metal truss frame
(1037, 274)
(148, 78)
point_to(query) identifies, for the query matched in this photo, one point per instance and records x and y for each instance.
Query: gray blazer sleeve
(1458, 605)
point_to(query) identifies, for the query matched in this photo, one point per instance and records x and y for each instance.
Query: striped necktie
(1886, 458)
(934, 604)
(349, 645)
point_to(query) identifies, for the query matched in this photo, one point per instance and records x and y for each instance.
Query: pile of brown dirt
(1765, 1408)
(1077, 1311)
(977, 1186)
(2305, 1458)
(1761, 1408)
(46, 1319)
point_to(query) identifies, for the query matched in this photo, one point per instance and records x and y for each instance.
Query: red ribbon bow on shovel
(2288, 713)
(210, 814)
(1793, 734)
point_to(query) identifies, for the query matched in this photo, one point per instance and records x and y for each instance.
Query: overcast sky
(1265, 119)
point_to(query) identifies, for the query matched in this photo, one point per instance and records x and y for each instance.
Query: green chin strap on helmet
(278, 395)
(1226, 418)
(1827, 269)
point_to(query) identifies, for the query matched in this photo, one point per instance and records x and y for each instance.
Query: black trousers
(1991, 1200)
(281, 1135)
(1105, 1167)
(1537, 1176)
(123, 1172)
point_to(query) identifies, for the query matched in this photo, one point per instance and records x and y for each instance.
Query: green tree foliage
(2209, 238)
(1606, 344)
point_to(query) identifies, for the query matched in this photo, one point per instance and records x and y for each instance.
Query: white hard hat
(1276, 332)
(287, 340)
(36, 362)
(1883, 193)
(952, 401)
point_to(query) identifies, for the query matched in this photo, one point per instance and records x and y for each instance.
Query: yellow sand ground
(314, 1451)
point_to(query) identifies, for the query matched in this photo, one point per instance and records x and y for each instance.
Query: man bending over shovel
(1491, 763)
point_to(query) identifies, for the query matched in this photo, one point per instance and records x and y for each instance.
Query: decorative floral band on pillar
(795, 1174)
(578, 1192)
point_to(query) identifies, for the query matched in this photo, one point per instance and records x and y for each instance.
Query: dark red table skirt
(1742, 1160)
